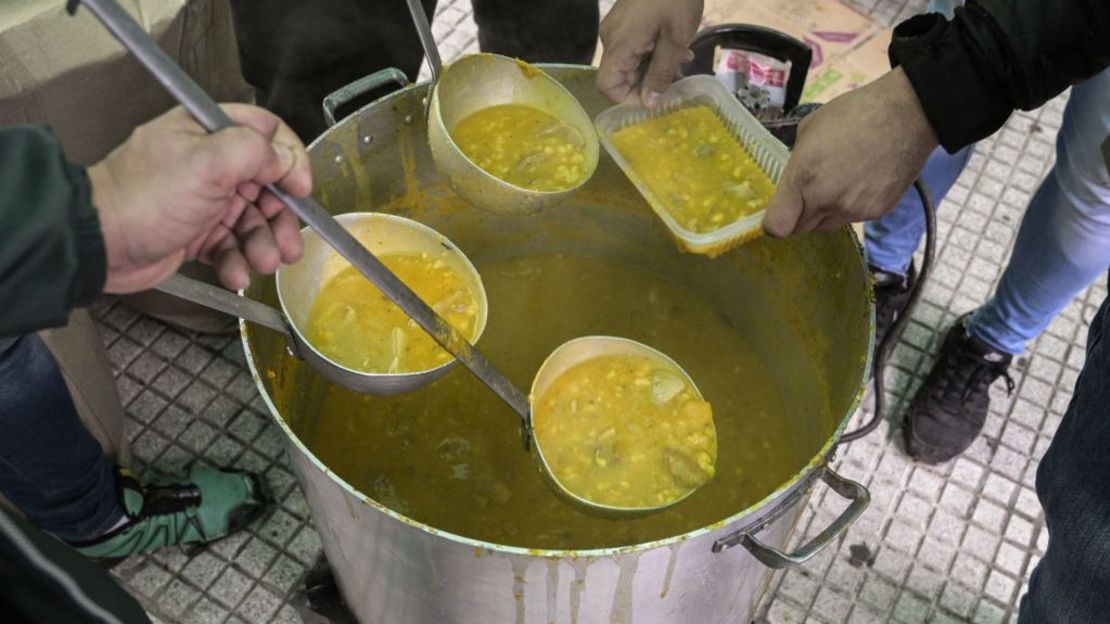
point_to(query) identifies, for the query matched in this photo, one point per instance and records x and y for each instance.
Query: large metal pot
(803, 304)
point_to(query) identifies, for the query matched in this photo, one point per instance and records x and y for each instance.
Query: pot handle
(776, 559)
(346, 93)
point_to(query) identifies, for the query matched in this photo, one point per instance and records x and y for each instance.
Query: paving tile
(957, 600)
(285, 575)
(122, 352)
(936, 554)
(198, 435)
(173, 422)
(146, 367)
(146, 406)
(203, 569)
(255, 558)
(1020, 531)
(781, 612)
(981, 543)
(969, 572)
(176, 599)
(149, 580)
(999, 488)
(260, 605)
(1011, 560)
(195, 398)
(879, 592)
(947, 527)
(230, 588)
(246, 425)
(206, 612)
(220, 372)
(988, 613)
(957, 500)
(170, 344)
(911, 608)
(989, 516)
(279, 528)
(306, 546)
(925, 583)
(1028, 504)
(286, 615)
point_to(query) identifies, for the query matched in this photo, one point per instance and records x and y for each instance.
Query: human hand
(853, 159)
(637, 31)
(172, 192)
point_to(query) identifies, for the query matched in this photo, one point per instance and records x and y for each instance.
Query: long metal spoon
(427, 41)
(213, 118)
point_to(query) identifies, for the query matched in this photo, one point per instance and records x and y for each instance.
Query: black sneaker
(949, 410)
(891, 293)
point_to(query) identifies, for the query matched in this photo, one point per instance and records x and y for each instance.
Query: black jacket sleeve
(996, 56)
(51, 249)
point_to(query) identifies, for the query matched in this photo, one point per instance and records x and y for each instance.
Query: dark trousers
(295, 52)
(51, 468)
(1071, 584)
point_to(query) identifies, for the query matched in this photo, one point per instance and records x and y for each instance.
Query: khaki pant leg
(81, 356)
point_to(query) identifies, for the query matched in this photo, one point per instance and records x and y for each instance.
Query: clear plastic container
(768, 153)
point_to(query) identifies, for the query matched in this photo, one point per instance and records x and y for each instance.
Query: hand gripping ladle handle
(213, 118)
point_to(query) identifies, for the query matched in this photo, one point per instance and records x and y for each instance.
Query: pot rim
(783, 495)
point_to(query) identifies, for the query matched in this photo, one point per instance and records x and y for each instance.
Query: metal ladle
(298, 284)
(478, 81)
(213, 118)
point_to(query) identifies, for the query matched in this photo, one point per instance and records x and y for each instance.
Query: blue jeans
(51, 467)
(1064, 240)
(1071, 584)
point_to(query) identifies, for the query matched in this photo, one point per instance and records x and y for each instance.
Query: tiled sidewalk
(946, 544)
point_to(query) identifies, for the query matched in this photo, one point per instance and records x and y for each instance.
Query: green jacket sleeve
(996, 56)
(51, 249)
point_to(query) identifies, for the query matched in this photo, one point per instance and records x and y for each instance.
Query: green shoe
(202, 508)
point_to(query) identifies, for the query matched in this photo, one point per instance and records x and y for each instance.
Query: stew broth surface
(450, 454)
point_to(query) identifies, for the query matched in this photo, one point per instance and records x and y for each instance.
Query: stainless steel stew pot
(802, 305)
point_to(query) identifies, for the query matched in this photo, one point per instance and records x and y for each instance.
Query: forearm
(997, 56)
(51, 249)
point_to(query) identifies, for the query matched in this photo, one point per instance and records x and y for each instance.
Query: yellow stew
(626, 431)
(356, 325)
(695, 167)
(523, 146)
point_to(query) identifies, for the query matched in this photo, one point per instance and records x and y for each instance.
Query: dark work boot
(949, 409)
(891, 293)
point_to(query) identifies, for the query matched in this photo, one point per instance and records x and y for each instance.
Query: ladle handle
(427, 41)
(216, 298)
(213, 118)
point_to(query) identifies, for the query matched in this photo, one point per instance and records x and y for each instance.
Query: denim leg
(51, 467)
(1069, 585)
(891, 240)
(1064, 240)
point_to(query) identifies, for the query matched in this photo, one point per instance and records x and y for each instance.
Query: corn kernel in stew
(695, 167)
(626, 431)
(356, 325)
(523, 146)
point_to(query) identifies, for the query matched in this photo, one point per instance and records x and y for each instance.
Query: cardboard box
(71, 74)
(849, 48)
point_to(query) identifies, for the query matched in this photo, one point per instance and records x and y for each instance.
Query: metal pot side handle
(776, 559)
(366, 84)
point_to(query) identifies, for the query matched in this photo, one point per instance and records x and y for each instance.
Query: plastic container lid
(769, 154)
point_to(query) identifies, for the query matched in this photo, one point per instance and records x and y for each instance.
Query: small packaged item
(757, 79)
(704, 164)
